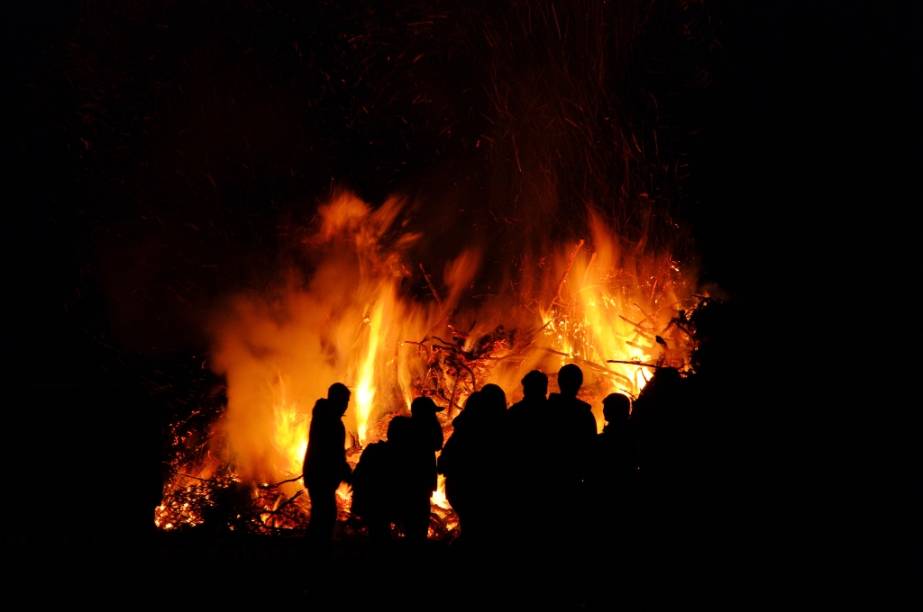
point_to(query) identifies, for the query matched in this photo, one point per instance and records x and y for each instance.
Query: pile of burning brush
(223, 501)
(219, 499)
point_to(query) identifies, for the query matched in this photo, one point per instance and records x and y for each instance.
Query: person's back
(531, 428)
(370, 489)
(574, 428)
(614, 501)
(473, 462)
(572, 437)
(528, 416)
(667, 427)
(455, 460)
(390, 484)
(613, 473)
(490, 441)
(415, 467)
(530, 431)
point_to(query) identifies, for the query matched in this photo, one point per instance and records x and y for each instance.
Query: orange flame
(594, 300)
(365, 388)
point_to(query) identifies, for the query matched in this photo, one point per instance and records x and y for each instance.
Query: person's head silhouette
(424, 406)
(616, 408)
(570, 378)
(338, 396)
(399, 430)
(535, 385)
(494, 399)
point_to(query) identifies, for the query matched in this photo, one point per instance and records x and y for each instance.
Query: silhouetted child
(376, 481)
(614, 468)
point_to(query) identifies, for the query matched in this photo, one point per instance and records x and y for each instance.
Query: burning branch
(570, 264)
(429, 283)
(590, 364)
(638, 327)
(285, 503)
(273, 485)
(446, 361)
(634, 363)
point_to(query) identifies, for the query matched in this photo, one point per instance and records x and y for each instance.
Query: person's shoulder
(460, 419)
(375, 448)
(586, 413)
(584, 405)
(320, 405)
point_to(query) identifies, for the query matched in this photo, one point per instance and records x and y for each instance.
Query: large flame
(365, 389)
(359, 318)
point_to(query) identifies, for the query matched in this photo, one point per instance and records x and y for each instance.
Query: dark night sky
(161, 148)
(166, 145)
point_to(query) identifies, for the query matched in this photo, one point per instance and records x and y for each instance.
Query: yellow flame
(438, 497)
(290, 435)
(365, 388)
(588, 302)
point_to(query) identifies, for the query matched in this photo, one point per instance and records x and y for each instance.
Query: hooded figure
(325, 464)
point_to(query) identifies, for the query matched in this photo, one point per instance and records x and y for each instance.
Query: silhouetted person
(613, 474)
(494, 400)
(615, 504)
(453, 462)
(474, 465)
(533, 402)
(325, 464)
(421, 469)
(668, 425)
(671, 445)
(575, 427)
(423, 412)
(531, 434)
(574, 435)
(376, 481)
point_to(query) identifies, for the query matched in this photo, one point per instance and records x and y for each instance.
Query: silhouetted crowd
(536, 471)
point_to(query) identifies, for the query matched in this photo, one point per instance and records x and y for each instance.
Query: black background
(160, 149)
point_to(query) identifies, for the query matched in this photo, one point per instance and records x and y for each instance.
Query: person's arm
(345, 471)
(438, 439)
(447, 457)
